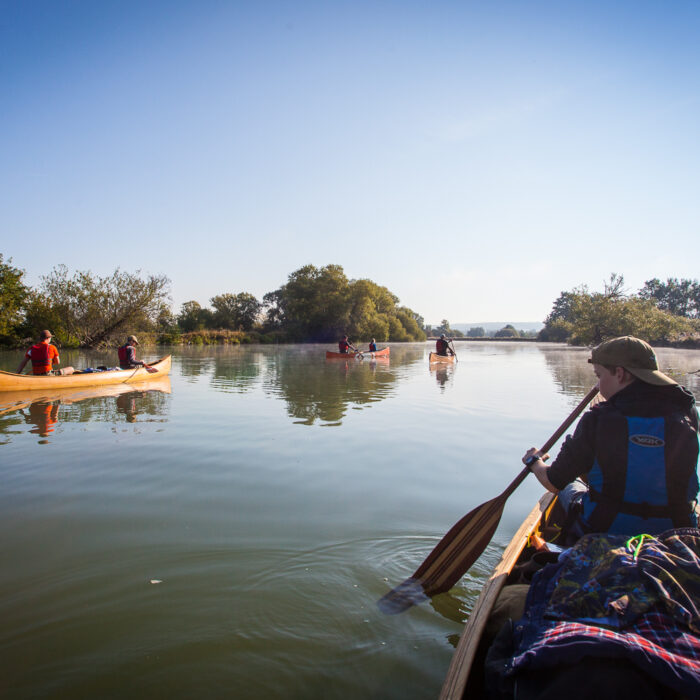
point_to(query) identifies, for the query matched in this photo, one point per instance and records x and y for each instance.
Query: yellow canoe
(10, 381)
(434, 357)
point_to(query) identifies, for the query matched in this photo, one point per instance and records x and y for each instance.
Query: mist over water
(226, 532)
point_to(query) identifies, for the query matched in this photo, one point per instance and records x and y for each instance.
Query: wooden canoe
(465, 676)
(460, 682)
(384, 352)
(434, 358)
(10, 381)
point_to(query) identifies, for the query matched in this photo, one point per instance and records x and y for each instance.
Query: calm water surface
(228, 531)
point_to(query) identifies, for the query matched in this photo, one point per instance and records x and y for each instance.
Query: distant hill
(497, 325)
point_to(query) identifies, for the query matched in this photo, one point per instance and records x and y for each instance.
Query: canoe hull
(435, 358)
(384, 352)
(9, 381)
(463, 658)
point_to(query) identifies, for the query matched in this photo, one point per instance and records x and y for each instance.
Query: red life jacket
(42, 355)
(441, 346)
(343, 345)
(125, 355)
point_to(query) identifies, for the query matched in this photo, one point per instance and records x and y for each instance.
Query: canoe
(10, 381)
(434, 357)
(460, 681)
(384, 352)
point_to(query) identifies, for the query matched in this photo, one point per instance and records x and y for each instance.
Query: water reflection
(572, 372)
(45, 411)
(320, 390)
(443, 373)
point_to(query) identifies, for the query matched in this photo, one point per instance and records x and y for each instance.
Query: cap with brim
(132, 339)
(634, 355)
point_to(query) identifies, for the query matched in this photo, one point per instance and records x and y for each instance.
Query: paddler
(344, 346)
(43, 356)
(631, 464)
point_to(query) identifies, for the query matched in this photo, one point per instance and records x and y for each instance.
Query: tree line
(85, 310)
(660, 312)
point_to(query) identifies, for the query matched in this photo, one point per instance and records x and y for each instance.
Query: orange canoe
(384, 352)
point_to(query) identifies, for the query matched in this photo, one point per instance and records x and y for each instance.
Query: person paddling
(373, 346)
(637, 450)
(442, 346)
(43, 356)
(344, 346)
(127, 354)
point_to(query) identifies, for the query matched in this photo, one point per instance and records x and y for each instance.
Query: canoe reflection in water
(80, 405)
(443, 373)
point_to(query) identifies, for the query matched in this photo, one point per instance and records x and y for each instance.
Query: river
(226, 532)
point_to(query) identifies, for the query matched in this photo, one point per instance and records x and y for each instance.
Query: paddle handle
(552, 440)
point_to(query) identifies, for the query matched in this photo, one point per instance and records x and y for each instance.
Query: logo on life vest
(647, 441)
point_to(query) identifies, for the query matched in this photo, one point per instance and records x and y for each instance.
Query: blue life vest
(644, 478)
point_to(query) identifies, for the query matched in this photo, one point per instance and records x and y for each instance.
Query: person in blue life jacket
(373, 346)
(127, 354)
(631, 464)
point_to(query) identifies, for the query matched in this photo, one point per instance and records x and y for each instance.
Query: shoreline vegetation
(315, 305)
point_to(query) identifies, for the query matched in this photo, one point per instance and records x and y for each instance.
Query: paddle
(453, 351)
(465, 542)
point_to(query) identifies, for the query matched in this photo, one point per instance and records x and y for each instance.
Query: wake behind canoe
(10, 381)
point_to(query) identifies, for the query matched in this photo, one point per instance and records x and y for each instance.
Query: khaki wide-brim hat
(636, 356)
(132, 339)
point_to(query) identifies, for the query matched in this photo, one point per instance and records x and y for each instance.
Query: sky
(476, 158)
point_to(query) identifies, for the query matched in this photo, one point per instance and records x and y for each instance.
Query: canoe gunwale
(458, 672)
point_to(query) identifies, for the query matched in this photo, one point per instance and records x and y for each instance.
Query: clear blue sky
(477, 158)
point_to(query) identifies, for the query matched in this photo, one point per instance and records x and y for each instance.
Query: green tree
(581, 317)
(236, 311)
(94, 311)
(320, 304)
(193, 317)
(13, 295)
(678, 297)
(508, 331)
(476, 332)
(314, 304)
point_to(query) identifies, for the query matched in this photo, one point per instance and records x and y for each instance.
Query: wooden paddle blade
(450, 559)
(403, 597)
(460, 547)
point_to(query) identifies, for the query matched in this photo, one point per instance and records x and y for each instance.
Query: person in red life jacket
(373, 346)
(345, 345)
(637, 450)
(127, 354)
(442, 346)
(43, 355)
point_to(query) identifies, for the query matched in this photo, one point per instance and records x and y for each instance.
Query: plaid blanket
(615, 598)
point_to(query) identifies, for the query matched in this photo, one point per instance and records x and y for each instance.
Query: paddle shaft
(552, 440)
